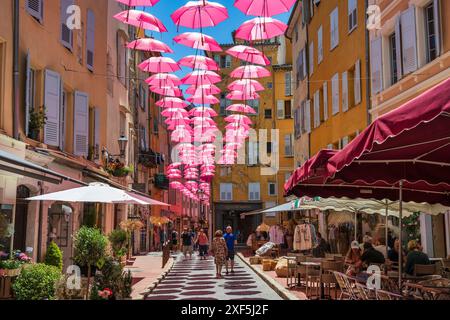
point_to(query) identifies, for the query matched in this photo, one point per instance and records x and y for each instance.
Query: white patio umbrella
(97, 192)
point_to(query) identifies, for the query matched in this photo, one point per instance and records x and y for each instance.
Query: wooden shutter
(90, 39)
(81, 124)
(288, 83)
(437, 26)
(305, 73)
(308, 116)
(376, 65)
(409, 40)
(345, 91)
(35, 8)
(320, 45)
(335, 94)
(357, 82)
(398, 45)
(52, 103)
(280, 109)
(334, 32)
(325, 101)
(66, 33)
(311, 58)
(28, 94)
(316, 109)
(97, 133)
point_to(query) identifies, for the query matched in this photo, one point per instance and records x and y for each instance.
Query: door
(20, 226)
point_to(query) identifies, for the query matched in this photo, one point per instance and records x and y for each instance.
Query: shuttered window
(345, 91)
(288, 83)
(280, 109)
(409, 40)
(288, 145)
(253, 152)
(311, 58)
(357, 82)
(308, 116)
(316, 109)
(52, 103)
(320, 45)
(35, 8)
(66, 33)
(254, 191)
(335, 94)
(272, 186)
(352, 14)
(334, 29)
(376, 65)
(81, 124)
(96, 146)
(325, 101)
(226, 191)
(90, 39)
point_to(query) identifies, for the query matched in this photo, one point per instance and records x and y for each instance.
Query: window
(253, 153)
(36, 9)
(376, 65)
(252, 103)
(345, 91)
(227, 61)
(268, 114)
(224, 103)
(352, 15)
(94, 133)
(288, 84)
(81, 124)
(325, 101)
(142, 96)
(269, 147)
(52, 100)
(335, 94)
(311, 58)
(431, 27)
(296, 32)
(226, 191)
(409, 40)
(393, 58)
(66, 33)
(280, 109)
(122, 59)
(254, 191)
(288, 145)
(307, 116)
(317, 109)
(320, 45)
(288, 109)
(217, 59)
(225, 171)
(297, 123)
(334, 32)
(269, 85)
(90, 39)
(30, 93)
(272, 186)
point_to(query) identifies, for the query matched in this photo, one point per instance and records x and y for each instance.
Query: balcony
(148, 158)
(161, 181)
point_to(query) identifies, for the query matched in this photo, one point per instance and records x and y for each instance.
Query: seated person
(353, 259)
(371, 256)
(366, 239)
(415, 256)
(381, 246)
(393, 253)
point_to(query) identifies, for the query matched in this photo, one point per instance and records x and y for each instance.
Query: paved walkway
(195, 280)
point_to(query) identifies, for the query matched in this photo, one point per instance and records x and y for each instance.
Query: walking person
(231, 241)
(202, 241)
(187, 238)
(220, 252)
(174, 241)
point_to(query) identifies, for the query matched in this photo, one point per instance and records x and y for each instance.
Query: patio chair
(446, 268)
(364, 293)
(328, 278)
(425, 269)
(386, 295)
(313, 276)
(345, 286)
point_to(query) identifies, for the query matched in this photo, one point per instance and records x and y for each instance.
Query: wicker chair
(364, 293)
(328, 278)
(425, 269)
(347, 290)
(386, 295)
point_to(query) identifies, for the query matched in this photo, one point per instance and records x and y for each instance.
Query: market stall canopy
(97, 192)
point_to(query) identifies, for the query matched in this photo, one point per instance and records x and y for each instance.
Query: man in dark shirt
(186, 238)
(371, 256)
(415, 256)
(231, 241)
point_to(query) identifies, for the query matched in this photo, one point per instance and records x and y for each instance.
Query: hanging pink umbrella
(237, 126)
(241, 85)
(139, 3)
(167, 91)
(243, 95)
(174, 165)
(171, 102)
(200, 14)
(202, 99)
(260, 29)
(201, 77)
(159, 64)
(163, 79)
(150, 45)
(203, 111)
(171, 111)
(174, 176)
(241, 108)
(264, 8)
(250, 71)
(199, 62)
(249, 54)
(208, 89)
(141, 19)
(198, 41)
(238, 118)
(175, 185)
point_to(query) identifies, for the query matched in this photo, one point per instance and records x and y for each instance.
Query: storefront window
(93, 215)
(59, 224)
(6, 228)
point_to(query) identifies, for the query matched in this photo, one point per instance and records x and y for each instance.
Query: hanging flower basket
(118, 169)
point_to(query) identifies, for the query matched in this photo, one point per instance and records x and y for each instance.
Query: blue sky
(221, 32)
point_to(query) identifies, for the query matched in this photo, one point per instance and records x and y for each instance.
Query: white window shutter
(325, 101)
(357, 82)
(437, 25)
(311, 58)
(288, 83)
(376, 65)
(345, 91)
(81, 124)
(398, 46)
(66, 33)
(335, 94)
(409, 40)
(334, 31)
(320, 45)
(35, 8)
(52, 104)
(280, 109)
(90, 39)
(28, 94)
(227, 61)
(316, 109)
(97, 133)
(308, 116)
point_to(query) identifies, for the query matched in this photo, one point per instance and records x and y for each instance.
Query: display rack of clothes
(345, 236)
(276, 234)
(305, 237)
(332, 238)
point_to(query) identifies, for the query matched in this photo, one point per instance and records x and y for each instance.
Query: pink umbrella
(149, 44)
(237, 126)
(159, 64)
(198, 41)
(202, 99)
(175, 185)
(171, 102)
(250, 71)
(199, 62)
(202, 120)
(243, 84)
(174, 176)
(167, 91)
(241, 108)
(203, 111)
(139, 3)
(141, 19)
(264, 8)
(161, 79)
(249, 54)
(260, 29)
(246, 95)
(199, 14)
(238, 118)
(208, 89)
(171, 111)
(174, 165)
(181, 135)
(201, 77)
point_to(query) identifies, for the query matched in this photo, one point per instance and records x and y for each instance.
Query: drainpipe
(368, 82)
(16, 83)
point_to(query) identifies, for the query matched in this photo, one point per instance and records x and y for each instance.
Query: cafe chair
(328, 278)
(425, 269)
(386, 295)
(347, 291)
(364, 293)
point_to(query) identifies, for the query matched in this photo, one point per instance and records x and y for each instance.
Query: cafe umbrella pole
(400, 214)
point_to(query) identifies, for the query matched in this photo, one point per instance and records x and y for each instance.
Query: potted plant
(130, 226)
(38, 119)
(116, 168)
(54, 256)
(37, 282)
(90, 249)
(119, 242)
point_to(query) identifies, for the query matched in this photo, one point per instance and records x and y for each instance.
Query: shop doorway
(60, 220)
(20, 225)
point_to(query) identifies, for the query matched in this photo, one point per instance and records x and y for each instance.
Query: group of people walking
(222, 247)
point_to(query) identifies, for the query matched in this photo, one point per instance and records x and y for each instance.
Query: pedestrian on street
(174, 241)
(187, 239)
(231, 241)
(220, 252)
(202, 241)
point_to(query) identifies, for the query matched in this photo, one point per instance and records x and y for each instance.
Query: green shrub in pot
(37, 282)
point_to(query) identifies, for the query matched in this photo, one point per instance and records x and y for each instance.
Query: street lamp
(123, 142)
